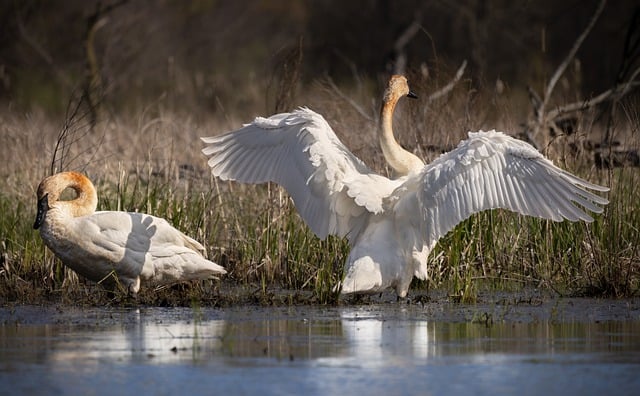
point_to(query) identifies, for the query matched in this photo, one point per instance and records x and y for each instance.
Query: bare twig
(631, 83)
(572, 53)
(631, 51)
(630, 57)
(535, 101)
(93, 89)
(62, 146)
(352, 67)
(77, 126)
(346, 98)
(400, 61)
(544, 119)
(407, 35)
(447, 88)
(609, 94)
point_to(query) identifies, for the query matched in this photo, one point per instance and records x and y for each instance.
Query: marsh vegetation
(143, 154)
(151, 162)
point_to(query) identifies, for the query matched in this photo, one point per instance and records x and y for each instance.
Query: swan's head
(50, 189)
(53, 186)
(397, 88)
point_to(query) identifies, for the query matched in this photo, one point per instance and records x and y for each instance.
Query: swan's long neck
(402, 161)
(87, 199)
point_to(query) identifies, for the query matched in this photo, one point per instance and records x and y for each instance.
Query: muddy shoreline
(490, 308)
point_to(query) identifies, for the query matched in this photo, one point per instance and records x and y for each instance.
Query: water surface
(378, 349)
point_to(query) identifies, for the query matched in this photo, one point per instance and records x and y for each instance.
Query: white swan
(134, 247)
(392, 224)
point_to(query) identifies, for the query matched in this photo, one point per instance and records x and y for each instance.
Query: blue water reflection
(387, 349)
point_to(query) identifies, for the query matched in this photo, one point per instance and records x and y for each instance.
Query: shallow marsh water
(509, 346)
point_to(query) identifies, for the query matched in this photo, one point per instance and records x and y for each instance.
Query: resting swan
(393, 224)
(134, 247)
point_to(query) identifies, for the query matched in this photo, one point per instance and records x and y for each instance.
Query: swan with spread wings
(393, 224)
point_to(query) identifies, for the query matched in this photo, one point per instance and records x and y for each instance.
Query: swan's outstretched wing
(332, 189)
(492, 170)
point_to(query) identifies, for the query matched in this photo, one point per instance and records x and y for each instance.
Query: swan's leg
(402, 287)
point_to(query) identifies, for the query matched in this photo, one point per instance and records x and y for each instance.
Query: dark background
(205, 51)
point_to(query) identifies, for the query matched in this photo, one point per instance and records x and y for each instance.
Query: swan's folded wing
(332, 189)
(143, 245)
(492, 170)
(112, 241)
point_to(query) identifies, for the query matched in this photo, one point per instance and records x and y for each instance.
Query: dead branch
(572, 53)
(351, 102)
(447, 88)
(631, 82)
(400, 61)
(93, 89)
(544, 120)
(75, 128)
(610, 94)
(535, 100)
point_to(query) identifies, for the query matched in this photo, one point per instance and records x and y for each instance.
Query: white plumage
(393, 224)
(103, 246)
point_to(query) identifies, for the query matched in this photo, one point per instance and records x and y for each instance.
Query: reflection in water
(138, 338)
(353, 336)
(374, 340)
(310, 347)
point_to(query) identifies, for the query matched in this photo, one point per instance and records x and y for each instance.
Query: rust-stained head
(397, 88)
(51, 187)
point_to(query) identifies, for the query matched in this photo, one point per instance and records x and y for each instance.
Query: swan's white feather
(332, 189)
(492, 170)
(392, 225)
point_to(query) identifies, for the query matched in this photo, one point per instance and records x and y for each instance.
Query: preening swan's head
(54, 185)
(50, 189)
(397, 88)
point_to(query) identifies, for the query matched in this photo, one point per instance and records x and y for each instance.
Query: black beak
(412, 95)
(43, 206)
